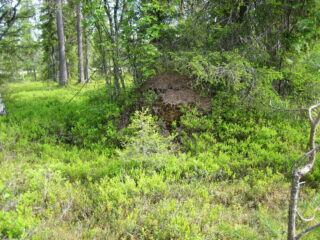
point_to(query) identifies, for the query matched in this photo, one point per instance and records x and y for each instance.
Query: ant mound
(165, 94)
(173, 90)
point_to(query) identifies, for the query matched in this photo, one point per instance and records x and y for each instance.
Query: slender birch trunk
(115, 17)
(103, 56)
(2, 107)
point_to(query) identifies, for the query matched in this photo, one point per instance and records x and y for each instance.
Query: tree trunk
(116, 66)
(34, 73)
(62, 52)
(116, 76)
(86, 60)
(80, 48)
(115, 17)
(2, 107)
(293, 204)
(105, 67)
(103, 55)
(298, 173)
(68, 69)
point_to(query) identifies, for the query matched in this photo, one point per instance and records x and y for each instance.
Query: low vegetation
(224, 175)
(152, 119)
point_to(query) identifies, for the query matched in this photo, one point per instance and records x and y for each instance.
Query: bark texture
(103, 55)
(86, 60)
(61, 40)
(2, 107)
(115, 17)
(300, 171)
(80, 47)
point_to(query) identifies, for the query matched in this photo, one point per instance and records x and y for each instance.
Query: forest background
(87, 153)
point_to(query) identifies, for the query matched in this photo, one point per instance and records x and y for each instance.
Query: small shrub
(146, 145)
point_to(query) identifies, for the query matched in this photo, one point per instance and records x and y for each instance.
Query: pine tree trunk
(80, 48)
(62, 52)
(86, 60)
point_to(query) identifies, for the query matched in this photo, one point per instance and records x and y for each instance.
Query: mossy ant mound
(165, 95)
(172, 91)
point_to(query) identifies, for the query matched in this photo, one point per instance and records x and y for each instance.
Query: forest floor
(67, 172)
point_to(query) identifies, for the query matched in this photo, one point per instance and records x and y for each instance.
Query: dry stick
(307, 219)
(294, 197)
(77, 93)
(307, 231)
(288, 109)
(298, 173)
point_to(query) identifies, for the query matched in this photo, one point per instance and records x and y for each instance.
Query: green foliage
(146, 145)
(301, 75)
(240, 140)
(67, 172)
(149, 97)
(19, 51)
(143, 58)
(224, 71)
(228, 72)
(49, 42)
(60, 166)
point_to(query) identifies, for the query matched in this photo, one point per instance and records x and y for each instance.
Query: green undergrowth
(68, 173)
(246, 139)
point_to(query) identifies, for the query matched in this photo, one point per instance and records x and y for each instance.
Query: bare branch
(307, 231)
(310, 112)
(12, 14)
(307, 219)
(111, 24)
(297, 174)
(304, 170)
(288, 109)
(124, 9)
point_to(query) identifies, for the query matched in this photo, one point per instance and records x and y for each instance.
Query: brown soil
(173, 90)
(164, 81)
